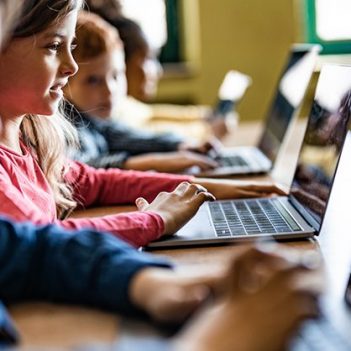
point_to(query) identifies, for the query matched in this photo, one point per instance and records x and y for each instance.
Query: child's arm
(44, 263)
(167, 213)
(114, 186)
(163, 216)
(120, 137)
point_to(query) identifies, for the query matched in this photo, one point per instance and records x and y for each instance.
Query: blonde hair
(49, 136)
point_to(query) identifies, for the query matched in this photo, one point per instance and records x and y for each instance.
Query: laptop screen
(291, 89)
(323, 142)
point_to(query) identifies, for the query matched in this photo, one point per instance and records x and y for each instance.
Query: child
(143, 72)
(39, 184)
(43, 263)
(96, 90)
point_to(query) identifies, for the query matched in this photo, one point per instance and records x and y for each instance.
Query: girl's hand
(178, 207)
(172, 162)
(232, 189)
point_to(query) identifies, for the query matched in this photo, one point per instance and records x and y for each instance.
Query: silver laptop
(300, 214)
(291, 89)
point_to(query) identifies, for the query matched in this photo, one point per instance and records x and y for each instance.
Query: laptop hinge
(305, 214)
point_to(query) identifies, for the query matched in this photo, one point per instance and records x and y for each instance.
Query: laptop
(300, 214)
(291, 89)
(230, 92)
(332, 330)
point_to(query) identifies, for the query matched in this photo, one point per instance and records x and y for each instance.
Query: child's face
(33, 70)
(99, 85)
(143, 74)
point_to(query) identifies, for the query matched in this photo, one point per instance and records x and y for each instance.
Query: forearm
(232, 189)
(117, 160)
(113, 186)
(136, 228)
(135, 142)
(218, 187)
(46, 262)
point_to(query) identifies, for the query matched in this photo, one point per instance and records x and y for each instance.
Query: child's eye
(54, 46)
(73, 47)
(92, 80)
(118, 75)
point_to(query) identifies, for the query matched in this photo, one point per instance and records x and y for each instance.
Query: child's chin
(49, 110)
(104, 114)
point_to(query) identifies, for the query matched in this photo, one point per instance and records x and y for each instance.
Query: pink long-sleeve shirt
(25, 195)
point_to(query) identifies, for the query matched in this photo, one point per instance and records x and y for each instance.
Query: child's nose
(109, 89)
(69, 67)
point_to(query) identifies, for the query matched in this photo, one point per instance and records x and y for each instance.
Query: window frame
(329, 46)
(171, 51)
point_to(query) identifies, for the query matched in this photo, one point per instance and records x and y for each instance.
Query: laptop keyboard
(249, 217)
(319, 336)
(232, 161)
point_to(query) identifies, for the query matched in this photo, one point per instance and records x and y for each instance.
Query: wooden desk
(63, 326)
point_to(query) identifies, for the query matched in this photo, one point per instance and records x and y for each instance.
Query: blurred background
(200, 40)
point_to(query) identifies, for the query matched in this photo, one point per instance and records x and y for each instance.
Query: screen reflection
(323, 141)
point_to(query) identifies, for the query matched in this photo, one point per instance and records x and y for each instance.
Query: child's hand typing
(178, 207)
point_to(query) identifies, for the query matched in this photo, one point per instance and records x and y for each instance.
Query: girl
(96, 90)
(38, 183)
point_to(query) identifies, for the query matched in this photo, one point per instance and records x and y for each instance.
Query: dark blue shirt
(108, 144)
(52, 264)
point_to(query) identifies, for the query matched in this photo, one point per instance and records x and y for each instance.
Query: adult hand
(267, 297)
(178, 207)
(172, 162)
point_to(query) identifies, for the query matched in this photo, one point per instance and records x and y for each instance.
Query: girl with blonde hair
(38, 183)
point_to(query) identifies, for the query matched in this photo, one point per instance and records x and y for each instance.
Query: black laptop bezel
(294, 48)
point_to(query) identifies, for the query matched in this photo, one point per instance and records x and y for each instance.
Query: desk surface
(50, 325)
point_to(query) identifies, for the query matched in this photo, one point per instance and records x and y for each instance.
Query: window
(328, 23)
(159, 20)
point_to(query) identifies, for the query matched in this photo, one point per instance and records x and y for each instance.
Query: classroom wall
(252, 36)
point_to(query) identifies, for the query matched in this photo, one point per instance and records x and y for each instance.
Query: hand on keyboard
(178, 207)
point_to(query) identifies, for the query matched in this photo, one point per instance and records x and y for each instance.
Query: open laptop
(291, 89)
(230, 93)
(300, 214)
